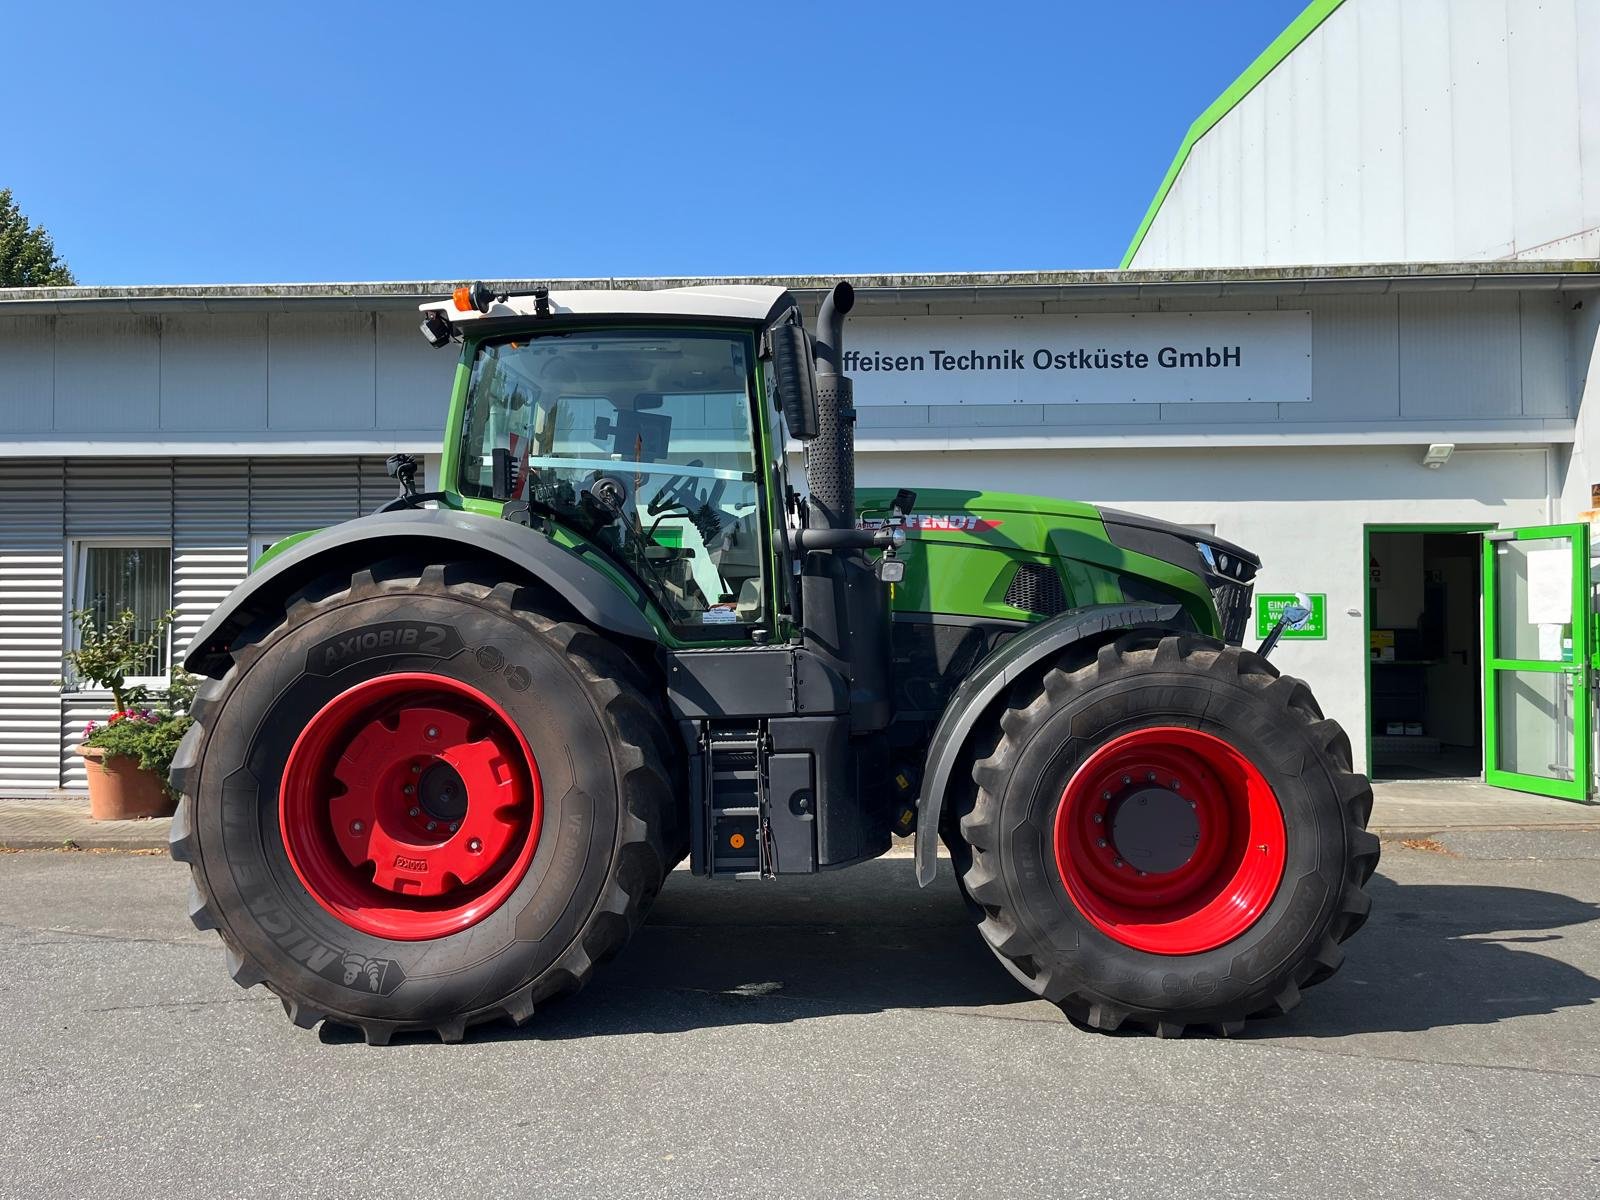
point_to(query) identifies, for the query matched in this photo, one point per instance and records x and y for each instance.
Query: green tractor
(446, 755)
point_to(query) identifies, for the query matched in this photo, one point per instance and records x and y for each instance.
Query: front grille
(1038, 589)
(1233, 607)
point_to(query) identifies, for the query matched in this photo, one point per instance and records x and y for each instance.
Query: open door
(1536, 659)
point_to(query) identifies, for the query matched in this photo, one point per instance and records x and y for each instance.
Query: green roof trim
(1282, 46)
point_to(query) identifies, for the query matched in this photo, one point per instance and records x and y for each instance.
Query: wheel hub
(1155, 829)
(410, 806)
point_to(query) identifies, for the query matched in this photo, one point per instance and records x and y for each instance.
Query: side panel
(986, 684)
(593, 595)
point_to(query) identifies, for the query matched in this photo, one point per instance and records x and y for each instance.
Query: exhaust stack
(831, 455)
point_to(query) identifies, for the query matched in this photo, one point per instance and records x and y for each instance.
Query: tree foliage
(28, 257)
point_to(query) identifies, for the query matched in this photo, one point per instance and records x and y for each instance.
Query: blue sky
(176, 143)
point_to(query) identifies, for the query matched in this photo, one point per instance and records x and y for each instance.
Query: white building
(181, 429)
(1395, 131)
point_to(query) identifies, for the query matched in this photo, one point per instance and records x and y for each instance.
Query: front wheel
(1169, 835)
(418, 799)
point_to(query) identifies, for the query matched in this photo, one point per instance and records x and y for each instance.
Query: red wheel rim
(410, 806)
(1170, 840)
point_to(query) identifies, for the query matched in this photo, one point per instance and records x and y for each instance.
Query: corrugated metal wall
(32, 612)
(1403, 131)
(210, 508)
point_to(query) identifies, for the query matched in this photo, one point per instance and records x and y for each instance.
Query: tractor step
(729, 833)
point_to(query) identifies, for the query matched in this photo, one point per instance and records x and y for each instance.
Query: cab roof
(754, 304)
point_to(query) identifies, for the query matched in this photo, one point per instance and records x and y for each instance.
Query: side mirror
(794, 373)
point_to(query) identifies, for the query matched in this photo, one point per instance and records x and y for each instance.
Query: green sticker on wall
(1270, 606)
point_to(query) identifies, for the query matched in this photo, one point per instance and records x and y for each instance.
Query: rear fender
(981, 692)
(443, 533)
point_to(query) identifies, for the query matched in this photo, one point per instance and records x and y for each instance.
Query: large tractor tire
(1165, 836)
(418, 799)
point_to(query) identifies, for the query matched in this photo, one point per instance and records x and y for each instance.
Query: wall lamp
(1438, 454)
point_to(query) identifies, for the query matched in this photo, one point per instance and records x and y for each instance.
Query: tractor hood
(1204, 553)
(1003, 514)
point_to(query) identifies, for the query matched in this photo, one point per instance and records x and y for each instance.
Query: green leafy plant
(107, 654)
(105, 657)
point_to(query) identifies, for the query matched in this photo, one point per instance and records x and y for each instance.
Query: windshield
(640, 440)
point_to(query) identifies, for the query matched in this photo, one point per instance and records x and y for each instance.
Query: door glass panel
(1533, 599)
(1533, 717)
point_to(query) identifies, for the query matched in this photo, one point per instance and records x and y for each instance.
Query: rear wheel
(1168, 835)
(419, 800)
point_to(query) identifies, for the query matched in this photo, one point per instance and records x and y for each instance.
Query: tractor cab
(638, 422)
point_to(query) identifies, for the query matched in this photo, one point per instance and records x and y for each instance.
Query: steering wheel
(681, 491)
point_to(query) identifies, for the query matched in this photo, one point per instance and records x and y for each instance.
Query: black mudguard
(444, 532)
(980, 690)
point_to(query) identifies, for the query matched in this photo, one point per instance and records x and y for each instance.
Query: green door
(1536, 659)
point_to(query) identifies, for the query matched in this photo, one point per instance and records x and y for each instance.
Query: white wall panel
(1355, 358)
(1586, 40)
(413, 379)
(1429, 195)
(108, 370)
(1480, 97)
(321, 372)
(1277, 95)
(27, 374)
(1459, 361)
(213, 372)
(1546, 174)
(1547, 385)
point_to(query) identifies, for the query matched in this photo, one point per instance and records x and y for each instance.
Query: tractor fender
(593, 595)
(980, 691)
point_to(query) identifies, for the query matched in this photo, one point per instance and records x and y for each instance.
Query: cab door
(1536, 659)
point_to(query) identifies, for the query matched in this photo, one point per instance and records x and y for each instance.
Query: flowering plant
(149, 734)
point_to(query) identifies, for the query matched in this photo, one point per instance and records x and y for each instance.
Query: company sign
(1131, 358)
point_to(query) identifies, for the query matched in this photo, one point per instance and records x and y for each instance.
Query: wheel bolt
(474, 845)
(454, 825)
(409, 790)
(1176, 785)
(432, 825)
(1117, 864)
(356, 826)
(1150, 777)
(1191, 804)
(1101, 843)
(414, 811)
(1098, 818)
(431, 733)
(416, 768)
(1127, 779)
(1141, 874)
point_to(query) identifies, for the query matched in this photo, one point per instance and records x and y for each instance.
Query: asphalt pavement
(845, 1035)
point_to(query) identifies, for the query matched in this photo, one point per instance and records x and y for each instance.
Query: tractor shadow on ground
(716, 954)
(1438, 954)
(719, 953)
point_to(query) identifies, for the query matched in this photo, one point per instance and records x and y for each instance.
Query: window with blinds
(137, 579)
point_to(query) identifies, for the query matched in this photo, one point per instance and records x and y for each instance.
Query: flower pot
(120, 789)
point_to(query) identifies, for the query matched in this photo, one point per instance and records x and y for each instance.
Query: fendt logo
(957, 522)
